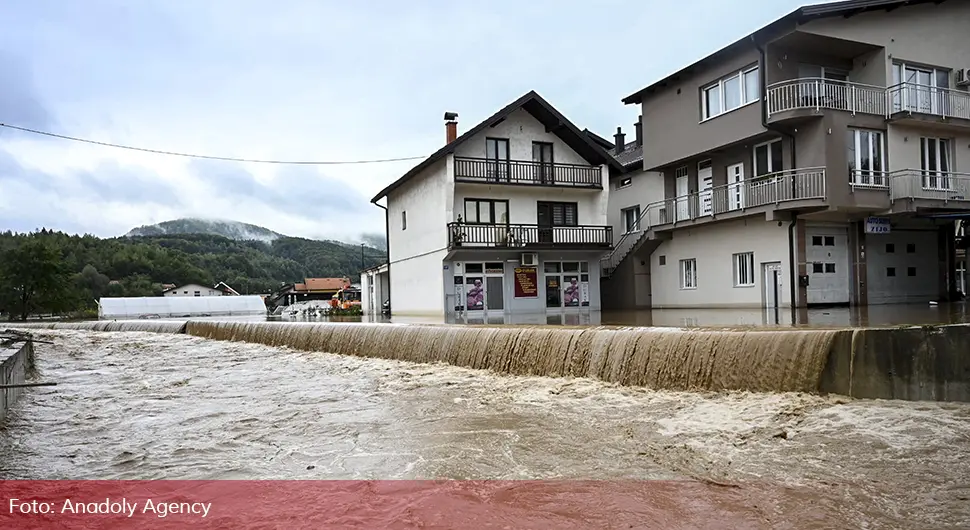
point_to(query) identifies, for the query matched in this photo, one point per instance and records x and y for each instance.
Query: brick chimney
(619, 139)
(451, 127)
(639, 129)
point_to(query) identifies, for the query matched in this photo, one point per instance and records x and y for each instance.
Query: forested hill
(138, 266)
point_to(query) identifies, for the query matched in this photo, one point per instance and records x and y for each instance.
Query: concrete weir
(16, 364)
(908, 363)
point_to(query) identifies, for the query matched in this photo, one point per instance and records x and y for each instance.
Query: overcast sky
(302, 80)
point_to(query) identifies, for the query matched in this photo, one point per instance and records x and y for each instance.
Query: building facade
(193, 289)
(509, 218)
(824, 159)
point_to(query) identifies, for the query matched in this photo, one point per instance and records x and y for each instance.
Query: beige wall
(713, 246)
(672, 121)
(646, 187)
(934, 35)
(523, 200)
(904, 144)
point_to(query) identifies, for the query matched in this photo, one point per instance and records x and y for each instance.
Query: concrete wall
(713, 247)
(904, 146)
(521, 129)
(16, 362)
(917, 364)
(416, 252)
(646, 187)
(523, 201)
(672, 119)
(933, 35)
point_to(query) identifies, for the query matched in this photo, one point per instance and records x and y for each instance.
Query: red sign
(526, 282)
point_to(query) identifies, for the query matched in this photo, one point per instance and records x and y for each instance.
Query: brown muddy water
(163, 406)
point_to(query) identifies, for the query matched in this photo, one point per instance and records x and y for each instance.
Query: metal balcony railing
(868, 178)
(468, 235)
(491, 171)
(818, 94)
(773, 188)
(932, 185)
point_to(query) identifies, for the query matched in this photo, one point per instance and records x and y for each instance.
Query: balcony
(908, 99)
(815, 94)
(731, 200)
(944, 187)
(810, 96)
(527, 173)
(526, 236)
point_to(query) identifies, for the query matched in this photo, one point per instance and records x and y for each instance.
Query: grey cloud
(20, 102)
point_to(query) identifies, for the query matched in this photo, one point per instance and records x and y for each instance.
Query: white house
(194, 289)
(509, 218)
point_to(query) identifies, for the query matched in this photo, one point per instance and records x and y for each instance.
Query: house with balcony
(508, 218)
(822, 160)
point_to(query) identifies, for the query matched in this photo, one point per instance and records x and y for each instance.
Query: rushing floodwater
(151, 406)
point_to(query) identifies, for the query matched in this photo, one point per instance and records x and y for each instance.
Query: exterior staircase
(654, 214)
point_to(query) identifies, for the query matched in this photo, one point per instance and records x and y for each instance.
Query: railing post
(853, 91)
(818, 96)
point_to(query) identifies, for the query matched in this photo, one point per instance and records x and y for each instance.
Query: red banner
(402, 504)
(526, 280)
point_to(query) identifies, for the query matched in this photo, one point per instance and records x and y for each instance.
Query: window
(830, 268)
(558, 213)
(486, 211)
(735, 90)
(767, 158)
(197, 293)
(867, 158)
(624, 183)
(816, 241)
(923, 90)
(817, 268)
(935, 155)
(542, 156)
(830, 241)
(890, 248)
(911, 271)
(631, 219)
(823, 268)
(688, 274)
(890, 271)
(911, 248)
(404, 220)
(744, 269)
(663, 260)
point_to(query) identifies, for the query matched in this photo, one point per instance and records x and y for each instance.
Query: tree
(33, 278)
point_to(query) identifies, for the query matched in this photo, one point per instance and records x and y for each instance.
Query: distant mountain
(213, 227)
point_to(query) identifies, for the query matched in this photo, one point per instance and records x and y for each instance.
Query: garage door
(902, 266)
(827, 253)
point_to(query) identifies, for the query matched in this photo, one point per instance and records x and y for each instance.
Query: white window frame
(936, 179)
(719, 84)
(744, 274)
(870, 177)
(916, 100)
(627, 229)
(771, 168)
(688, 274)
(624, 183)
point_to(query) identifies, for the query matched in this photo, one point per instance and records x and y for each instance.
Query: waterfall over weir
(790, 360)
(151, 326)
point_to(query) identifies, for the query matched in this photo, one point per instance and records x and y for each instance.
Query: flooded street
(167, 406)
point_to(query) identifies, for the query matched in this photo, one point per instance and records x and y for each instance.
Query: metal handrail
(818, 93)
(933, 185)
(771, 188)
(913, 97)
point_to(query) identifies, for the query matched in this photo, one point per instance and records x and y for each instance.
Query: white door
(705, 175)
(771, 272)
(735, 176)
(827, 262)
(682, 211)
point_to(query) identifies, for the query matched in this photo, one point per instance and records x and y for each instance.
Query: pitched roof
(325, 284)
(846, 8)
(542, 111)
(630, 156)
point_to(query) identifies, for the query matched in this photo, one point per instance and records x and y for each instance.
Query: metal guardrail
(491, 171)
(772, 188)
(817, 94)
(931, 185)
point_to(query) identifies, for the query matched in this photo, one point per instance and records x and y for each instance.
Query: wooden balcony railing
(467, 235)
(489, 171)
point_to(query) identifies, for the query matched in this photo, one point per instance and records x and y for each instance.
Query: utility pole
(361, 256)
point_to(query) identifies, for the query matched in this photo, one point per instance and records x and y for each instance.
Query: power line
(210, 157)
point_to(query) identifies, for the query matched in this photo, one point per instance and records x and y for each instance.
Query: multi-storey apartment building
(508, 218)
(821, 160)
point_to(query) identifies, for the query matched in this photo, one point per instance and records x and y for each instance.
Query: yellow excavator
(343, 300)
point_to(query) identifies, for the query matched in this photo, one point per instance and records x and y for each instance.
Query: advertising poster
(584, 291)
(526, 282)
(459, 293)
(571, 292)
(475, 297)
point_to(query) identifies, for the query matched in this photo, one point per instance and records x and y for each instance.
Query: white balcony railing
(932, 185)
(868, 178)
(773, 188)
(943, 102)
(817, 93)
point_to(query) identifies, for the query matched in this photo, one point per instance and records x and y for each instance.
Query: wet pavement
(162, 406)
